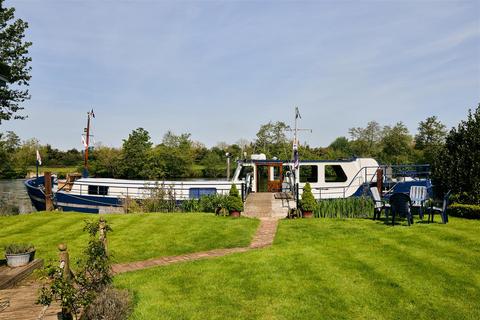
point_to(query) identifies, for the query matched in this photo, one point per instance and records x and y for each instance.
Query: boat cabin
(328, 178)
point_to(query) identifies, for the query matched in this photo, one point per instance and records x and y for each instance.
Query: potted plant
(308, 204)
(19, 254)
(234, 202)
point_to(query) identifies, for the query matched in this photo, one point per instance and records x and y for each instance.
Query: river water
(15, 192)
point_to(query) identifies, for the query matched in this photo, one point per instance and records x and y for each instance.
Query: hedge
(468, 211)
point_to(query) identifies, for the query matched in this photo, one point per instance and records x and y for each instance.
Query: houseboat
(328, 179)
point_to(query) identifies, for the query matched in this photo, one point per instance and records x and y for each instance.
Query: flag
(39, 159)
(83, 141)
(297, 113)
(296, 160)
(92, 114)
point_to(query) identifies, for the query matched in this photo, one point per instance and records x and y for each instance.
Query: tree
(396, 144)
(340, 148)
(457, 165)
(135, 154)
(105, 162)
(365, 141)
(14, 53)
(431, 132)
(430, 138)
(272, 140)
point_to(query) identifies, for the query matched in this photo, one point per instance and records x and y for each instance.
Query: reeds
(353, 207)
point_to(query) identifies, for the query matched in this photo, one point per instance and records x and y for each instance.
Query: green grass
(325, 269)
(134, 237)
(56, 170)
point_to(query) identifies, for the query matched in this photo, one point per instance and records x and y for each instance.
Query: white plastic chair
(379, 204)
(418, 195)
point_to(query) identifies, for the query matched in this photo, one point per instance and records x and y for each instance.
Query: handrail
(383, 167)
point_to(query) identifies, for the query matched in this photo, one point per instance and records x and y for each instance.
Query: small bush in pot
(308, 204)
(234, 202)
(19, 254)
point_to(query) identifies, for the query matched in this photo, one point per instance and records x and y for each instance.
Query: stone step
(264, 204)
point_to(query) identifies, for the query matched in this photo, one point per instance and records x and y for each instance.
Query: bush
(234, 204)
(354, 207)
(190, 205)
(308, 202)
(79, 290)
(234, 191)
(468, 211)
(110, 304)
(212, 203)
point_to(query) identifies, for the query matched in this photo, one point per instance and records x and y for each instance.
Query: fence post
(48, 191)
(243, 191)
(379, 180)
(103, 233)
(64, 261)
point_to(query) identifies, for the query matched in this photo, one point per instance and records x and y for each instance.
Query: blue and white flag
(296, 160)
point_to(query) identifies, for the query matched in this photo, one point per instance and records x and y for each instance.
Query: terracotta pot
(235, 214)
(307, 214)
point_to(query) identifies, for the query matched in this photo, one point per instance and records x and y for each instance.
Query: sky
(221, 69)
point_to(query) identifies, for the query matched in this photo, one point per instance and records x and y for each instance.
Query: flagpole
(36, 162)
(85, 164)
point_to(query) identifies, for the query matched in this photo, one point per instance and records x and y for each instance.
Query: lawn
(325, 269)
(134, 237)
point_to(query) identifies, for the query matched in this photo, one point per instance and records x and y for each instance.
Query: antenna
(295, 156)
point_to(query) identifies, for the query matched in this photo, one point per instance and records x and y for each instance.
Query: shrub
(93, 276)
(468, 211)
(110, 304)
(353, 207)
(212, 203)
(234, 204)
(190, 205)
(308, 202)
(234, 191)
(17, 248)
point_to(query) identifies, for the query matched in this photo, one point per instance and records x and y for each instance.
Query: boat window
(308, 173)
(244, 171)
(335, 173)
(197, 193)
(98, 190)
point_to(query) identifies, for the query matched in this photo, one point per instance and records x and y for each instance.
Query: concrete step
(264, 204)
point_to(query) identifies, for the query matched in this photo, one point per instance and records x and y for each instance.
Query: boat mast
(295, 155)
(87, 142)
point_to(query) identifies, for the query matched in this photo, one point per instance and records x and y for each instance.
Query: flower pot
(307, 214)
(235, 214)
(18, 260)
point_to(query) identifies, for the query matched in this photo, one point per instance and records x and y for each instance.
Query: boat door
(269, 177)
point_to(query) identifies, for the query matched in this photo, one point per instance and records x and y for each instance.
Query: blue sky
(220, 69)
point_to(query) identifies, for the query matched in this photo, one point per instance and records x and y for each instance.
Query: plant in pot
(308, 204)
(19, 254)
(234, 202)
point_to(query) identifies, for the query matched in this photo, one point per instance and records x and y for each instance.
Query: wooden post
(380, 181)
(64, 261)
(48, 191)
(103, 233)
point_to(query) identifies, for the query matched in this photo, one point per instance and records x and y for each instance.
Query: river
(15, 191)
